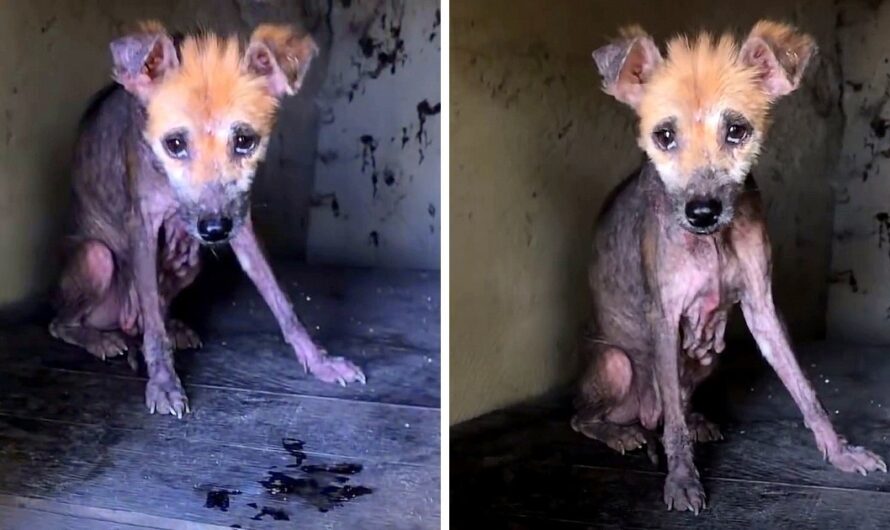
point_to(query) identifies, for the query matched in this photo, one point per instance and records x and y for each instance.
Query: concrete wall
(859, 309)
(535, 148)
(56, 57)
(377, 178)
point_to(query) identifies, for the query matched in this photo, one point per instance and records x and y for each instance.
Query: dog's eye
(665, 138)
(245, 142)
(176, 145)
(737, 133)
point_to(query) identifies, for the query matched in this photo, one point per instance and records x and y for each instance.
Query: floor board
(77, 446)
(525, 468)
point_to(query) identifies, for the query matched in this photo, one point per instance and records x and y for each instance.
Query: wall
(536, 147)
(377, 181)
(859, 309)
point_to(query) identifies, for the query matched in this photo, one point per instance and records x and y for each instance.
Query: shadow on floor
(525, 468)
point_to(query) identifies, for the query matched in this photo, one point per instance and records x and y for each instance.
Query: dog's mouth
(702, 231)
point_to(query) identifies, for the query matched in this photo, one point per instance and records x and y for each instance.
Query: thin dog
(163, 165)
(683, 240)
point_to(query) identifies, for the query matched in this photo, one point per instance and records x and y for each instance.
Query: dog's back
(108, 130)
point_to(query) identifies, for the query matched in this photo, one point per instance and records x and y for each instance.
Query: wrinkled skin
(661, 296)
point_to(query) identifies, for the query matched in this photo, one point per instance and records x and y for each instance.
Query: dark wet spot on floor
(220, 499)
(277, 514)
(336, 469)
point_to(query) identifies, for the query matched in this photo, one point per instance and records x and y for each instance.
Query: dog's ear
(780, 55)
(282, 55)
(142, 58)
(627, 63)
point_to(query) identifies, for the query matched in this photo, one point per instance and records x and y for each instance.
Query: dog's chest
(711, 285)
(178, 249)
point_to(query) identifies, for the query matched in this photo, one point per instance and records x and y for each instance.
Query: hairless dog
(683, 240)
(163, 165)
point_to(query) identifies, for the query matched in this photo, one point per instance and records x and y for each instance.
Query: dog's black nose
(214, 229)
(703, 213)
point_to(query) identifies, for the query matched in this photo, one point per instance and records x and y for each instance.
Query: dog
(683, 240)
(164, 165)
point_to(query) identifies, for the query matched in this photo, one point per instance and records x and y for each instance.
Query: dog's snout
(215, 229)
(703, 212)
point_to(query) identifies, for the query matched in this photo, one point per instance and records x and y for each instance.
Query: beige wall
(859, 296)
(535, 147)
(387, 198)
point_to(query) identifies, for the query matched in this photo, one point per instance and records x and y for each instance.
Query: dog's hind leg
(88, 305)
(607, 408)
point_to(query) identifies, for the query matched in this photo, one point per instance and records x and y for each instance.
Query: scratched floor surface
(265, 447)
(526, 468)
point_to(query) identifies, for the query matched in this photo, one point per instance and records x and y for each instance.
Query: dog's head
(210, 107)
(704, 108)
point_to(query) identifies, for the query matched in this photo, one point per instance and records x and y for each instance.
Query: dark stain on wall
(375, 238)
(436, 24)
(378, 53)
(389, 178)
(847, 277)
(369, 159)
(879, 126)
(405, 137)
(883, 219)
(424, 111)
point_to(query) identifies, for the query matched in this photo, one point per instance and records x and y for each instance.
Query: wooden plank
(387, 322)
(253, 361)
(778, 451)
(393, 306)
(170, 477)
(371, 431)
(763, 422)
(26, 513)
(12, 518)
(576, 496)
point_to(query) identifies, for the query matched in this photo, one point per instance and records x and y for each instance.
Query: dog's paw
(683, 491)
(336, 370)
(621, 438)
(182, 336)
(855, 459)
(166, 396)
(108, 344)
(701, 430)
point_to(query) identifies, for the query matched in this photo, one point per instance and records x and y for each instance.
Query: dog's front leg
(682, 488)
(164, 392)
(314, 359)
(772, 338)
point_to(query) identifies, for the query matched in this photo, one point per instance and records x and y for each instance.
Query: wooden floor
(526, 468)
(266, 446)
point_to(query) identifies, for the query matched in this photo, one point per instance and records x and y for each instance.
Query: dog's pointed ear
(282, 55)
(141, 59)
(627, 63)
(780, 55)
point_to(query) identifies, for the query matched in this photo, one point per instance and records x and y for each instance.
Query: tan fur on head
(206, 97)
(701, 88)
(211, 97)
(698, 83)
